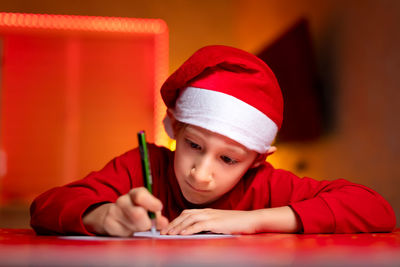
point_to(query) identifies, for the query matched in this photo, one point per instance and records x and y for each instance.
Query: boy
(224, 110)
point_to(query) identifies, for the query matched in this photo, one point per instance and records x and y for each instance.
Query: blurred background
(337, 61)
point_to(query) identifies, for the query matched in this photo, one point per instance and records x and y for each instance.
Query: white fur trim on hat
(226, 115)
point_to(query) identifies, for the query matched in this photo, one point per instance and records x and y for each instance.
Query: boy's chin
(198, 201)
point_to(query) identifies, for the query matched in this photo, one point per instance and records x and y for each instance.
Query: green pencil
(146, 171)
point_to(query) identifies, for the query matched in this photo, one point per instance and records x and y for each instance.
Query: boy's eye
(228, 160)
(193, 145)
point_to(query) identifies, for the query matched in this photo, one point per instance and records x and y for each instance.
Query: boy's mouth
(196, 189)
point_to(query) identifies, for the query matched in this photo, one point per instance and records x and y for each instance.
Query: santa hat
(227, 91)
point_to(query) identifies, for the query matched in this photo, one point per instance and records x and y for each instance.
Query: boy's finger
(133, 217)
(195, 228)
(115, 228)
(137, 219)
(142, 197)
(176, 222)
(188, 221)
(161, 221)
(113, 225)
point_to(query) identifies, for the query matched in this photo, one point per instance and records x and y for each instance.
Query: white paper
(147, 234)
(157, 235)
(94, 238)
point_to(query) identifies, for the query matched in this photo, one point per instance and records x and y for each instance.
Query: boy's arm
(337, 206)
(60, 210)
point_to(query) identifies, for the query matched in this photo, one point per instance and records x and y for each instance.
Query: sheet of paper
(147, 234)
(94, 238)
(157, 235)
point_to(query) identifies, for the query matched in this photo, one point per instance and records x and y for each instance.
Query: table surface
(22, 247)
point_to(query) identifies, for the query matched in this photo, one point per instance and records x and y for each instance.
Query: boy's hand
(218, 221)
(127, 215)
(279, 219)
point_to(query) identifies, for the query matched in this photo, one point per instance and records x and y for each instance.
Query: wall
(356, 47)
(356, 44)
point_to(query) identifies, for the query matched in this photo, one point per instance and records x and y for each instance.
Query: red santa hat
(227, 91)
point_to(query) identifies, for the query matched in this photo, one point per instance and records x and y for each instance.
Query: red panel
(74, 92)
(33, 112)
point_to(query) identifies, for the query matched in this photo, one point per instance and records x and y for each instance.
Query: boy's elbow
(361, 210)
(383, 219)
(390, 223)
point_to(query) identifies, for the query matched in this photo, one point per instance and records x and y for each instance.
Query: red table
(21, 247)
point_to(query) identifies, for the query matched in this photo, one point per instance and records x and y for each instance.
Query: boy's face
(207, 165)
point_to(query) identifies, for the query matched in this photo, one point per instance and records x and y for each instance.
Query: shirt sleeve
(60, 210)
(337, 206)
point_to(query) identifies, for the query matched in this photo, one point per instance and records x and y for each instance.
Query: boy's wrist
(93, 218)
(280, 219)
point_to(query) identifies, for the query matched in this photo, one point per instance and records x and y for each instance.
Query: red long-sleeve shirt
(335, 206)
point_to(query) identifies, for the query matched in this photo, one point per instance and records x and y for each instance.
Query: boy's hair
(227, 91)
(178, 126)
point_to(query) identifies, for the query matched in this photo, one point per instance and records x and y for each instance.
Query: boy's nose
(201, 173)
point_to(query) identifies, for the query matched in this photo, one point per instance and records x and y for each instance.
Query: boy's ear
(175, 124)
(262, 157)
(171, 118)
